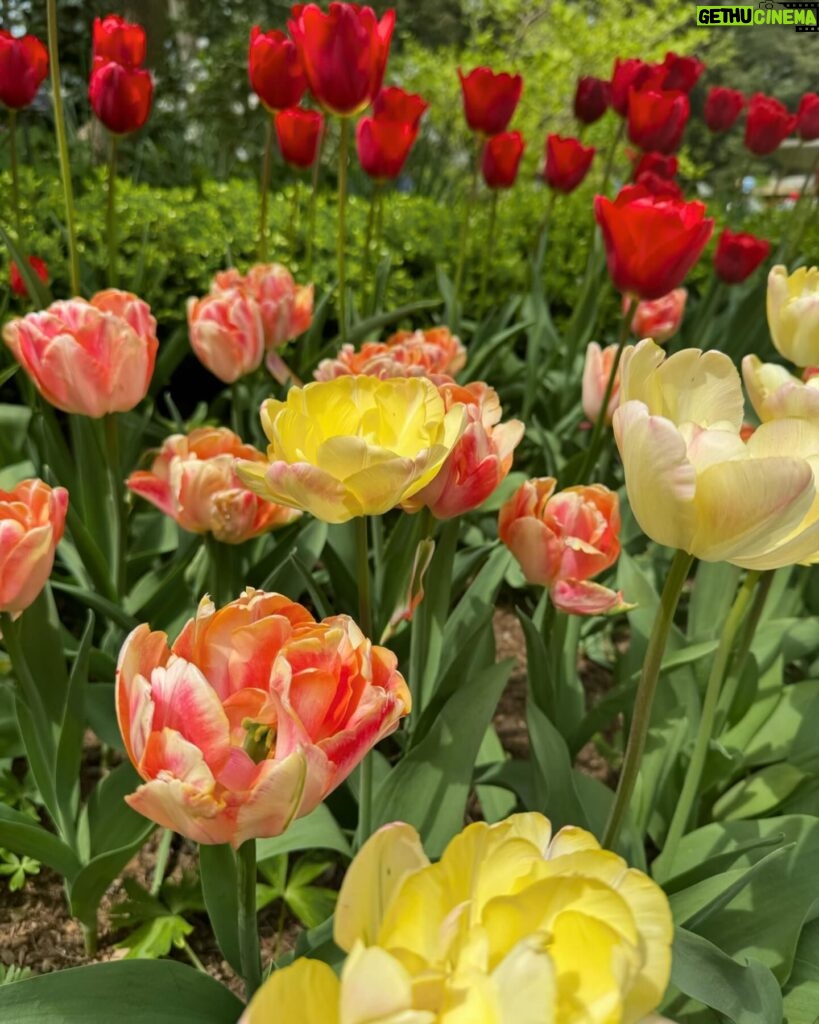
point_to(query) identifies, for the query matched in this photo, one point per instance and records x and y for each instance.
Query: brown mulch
(37, 931)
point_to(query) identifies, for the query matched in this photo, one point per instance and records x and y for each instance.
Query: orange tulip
(252, 716)
(659, 319)
(286, 308)
(562, 540)
(92, 357)
(435, 353)
(32, 519)
(481, 458)
(193, 480)
(226, 333)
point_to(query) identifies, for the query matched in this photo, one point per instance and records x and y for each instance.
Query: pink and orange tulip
(286, 308)
(252, 716)
(596, 373)
(562, 540)
(659, 319)
(481, 458)
(226, 333)
(91, 358)
(434, 353)
(193, 480)
(32, 519)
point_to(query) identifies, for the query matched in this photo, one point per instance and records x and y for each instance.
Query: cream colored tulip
(775, 393)
(793, 313)
(692, 481)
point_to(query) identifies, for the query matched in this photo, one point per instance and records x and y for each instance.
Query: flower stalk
(264, 189)
(343, 158)
(248, 929)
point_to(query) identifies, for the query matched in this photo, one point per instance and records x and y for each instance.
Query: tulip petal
(305, 992)
(583, 597)
(745, 507)
(185, 702)
(373, 880)
(376, 987)
(661, 482)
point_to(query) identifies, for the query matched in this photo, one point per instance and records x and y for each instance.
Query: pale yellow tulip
(353, 446)
(776, 393)
(793, 313)
(693, 483)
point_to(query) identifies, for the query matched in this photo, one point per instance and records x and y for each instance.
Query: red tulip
(23, 66)
(274, 69)
(394, 104)
(118, 40)
(501, 159)
(722, 108)
(807, 117)
(663, 188)
(767, 125)
(738, 255)
(591, 98)
(489, 99)
(656, 120)
(121, 97)
(681, 72)
(383, 146)
(344, 53)
(16, 282)
(656, 163)
(628, 74)
(298, 131)
(651, 243)
(567, 163)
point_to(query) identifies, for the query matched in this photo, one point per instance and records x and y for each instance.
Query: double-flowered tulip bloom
(93, 357)
(435, 353)
(353, 446)
(694, 482)
(515, 923)
(563, 539)
(793, 313)
(32, 520)
(193, 480)
(343, 52)
(659, 319)
(252, 716)
(775, 393)
(651, 242)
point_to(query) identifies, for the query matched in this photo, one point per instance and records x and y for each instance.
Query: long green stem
(612, 153)
(117, 500)
(62, 147)
(365, 616)
(111, 217)
(490, 245)
(15, 174)
(248, 929)
(264, 189)
(221, 558)
(163, 852)
(693, 777)
(644, 699)
(343, 157)
(469, 202)
(314, 187)
(743, 647)
(593, 451)
(368, 235)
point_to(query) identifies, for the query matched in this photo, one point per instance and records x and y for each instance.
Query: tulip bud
(722, 108)
(659, 319)
(807, 117)
(16, 282)
(298, 132)
(120, 96)
(567, 163)
(656, 120)
(395, 104)
(490, 99)
(596, 373)
(383, 146)
(501, 158)
(768, 124)
(23, 67)
(591, 99)
(274, 69)
(681, 72)
(227, 334)
(118, 40)
(738, 255)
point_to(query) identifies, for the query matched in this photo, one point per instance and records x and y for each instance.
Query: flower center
(260, 739)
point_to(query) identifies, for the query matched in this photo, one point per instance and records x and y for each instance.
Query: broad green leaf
(555, 790)
(713, 593)
(761, 793)
(220, 887)
(802, 991)
(429, 787)
(25, 837)
(132, 992)
(316, 831)
(496, 803)
(746, 994)
(111, 822)
(69, 744)
(88, 886)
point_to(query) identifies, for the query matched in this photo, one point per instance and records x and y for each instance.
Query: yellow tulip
(513, 924)
(693, 483)
(793, 313)
(353, 446)
(775, 393)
